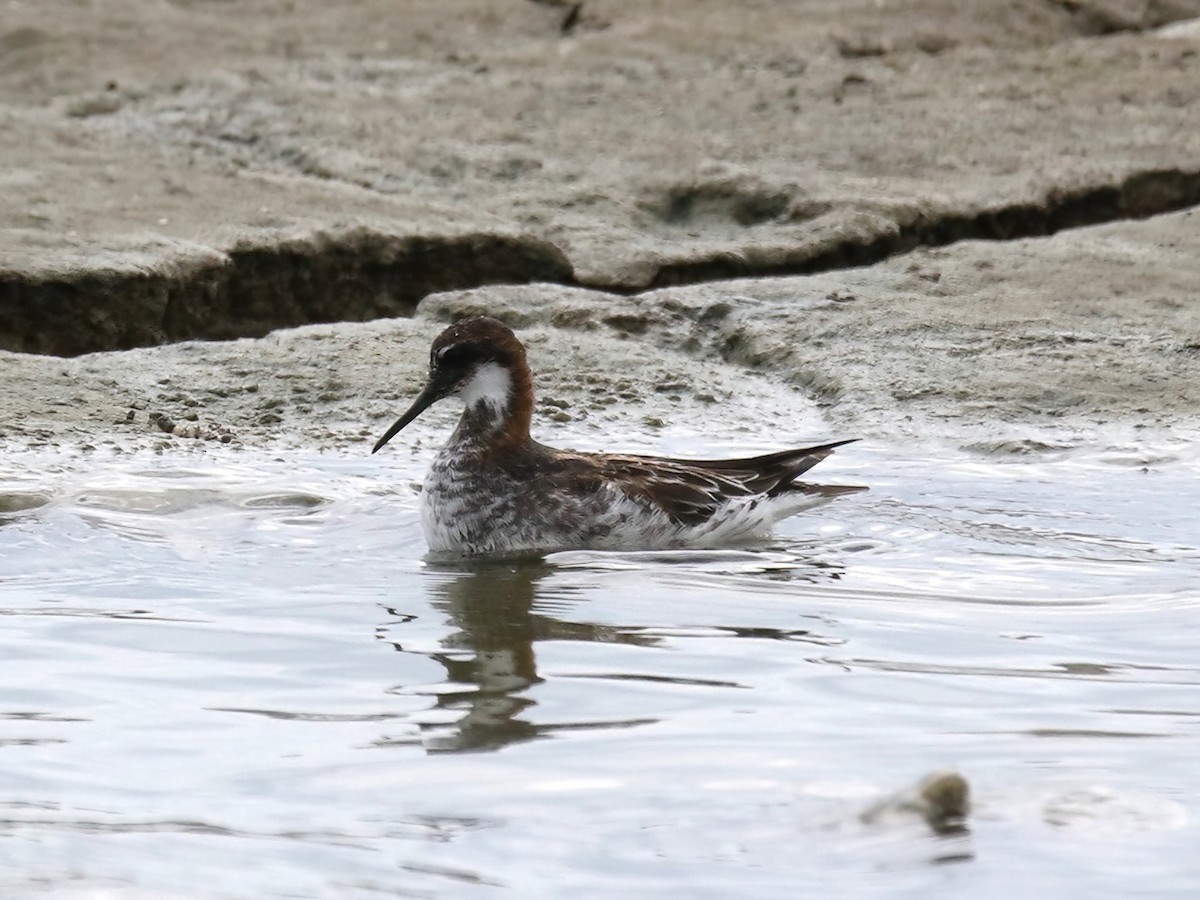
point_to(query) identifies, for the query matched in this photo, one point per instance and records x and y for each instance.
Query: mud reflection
(17, 503)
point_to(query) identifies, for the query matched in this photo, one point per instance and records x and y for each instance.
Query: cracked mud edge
(251, 290)
(362, 274)
(1137, 196)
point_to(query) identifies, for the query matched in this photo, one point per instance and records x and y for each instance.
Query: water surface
(234, 675)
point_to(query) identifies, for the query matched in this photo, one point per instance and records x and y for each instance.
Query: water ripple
(269, 634)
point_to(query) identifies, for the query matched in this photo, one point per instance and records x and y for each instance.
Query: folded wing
(690, 491)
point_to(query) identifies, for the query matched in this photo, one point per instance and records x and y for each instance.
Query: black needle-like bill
(431, 393)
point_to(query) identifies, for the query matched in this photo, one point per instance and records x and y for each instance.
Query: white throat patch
(490, 385)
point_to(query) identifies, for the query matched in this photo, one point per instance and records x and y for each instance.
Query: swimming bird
(493, 489)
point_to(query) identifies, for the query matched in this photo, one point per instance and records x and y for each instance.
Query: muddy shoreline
(914, 222)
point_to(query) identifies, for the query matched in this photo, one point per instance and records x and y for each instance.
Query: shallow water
(233, 675)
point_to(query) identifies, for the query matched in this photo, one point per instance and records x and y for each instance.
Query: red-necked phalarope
(493, 489)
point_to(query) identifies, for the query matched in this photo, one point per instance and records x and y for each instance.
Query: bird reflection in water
(491, 654)
(500, 609)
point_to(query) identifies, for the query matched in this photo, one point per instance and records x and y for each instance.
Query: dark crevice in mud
(352, 277)
(363, 275)
(1138, 196)
(1093, 18)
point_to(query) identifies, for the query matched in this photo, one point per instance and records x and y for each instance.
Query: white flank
(490, 385)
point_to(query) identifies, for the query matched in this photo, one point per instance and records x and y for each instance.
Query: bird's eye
(456, 356)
